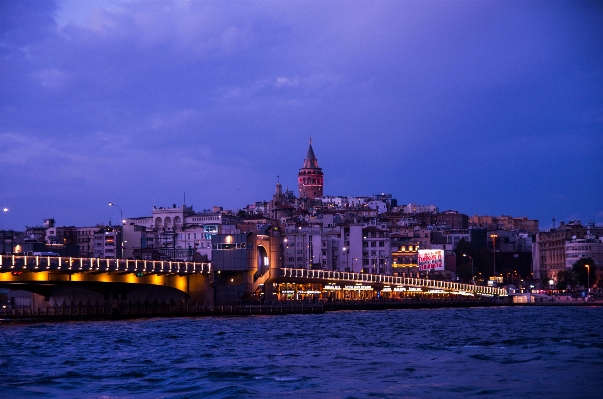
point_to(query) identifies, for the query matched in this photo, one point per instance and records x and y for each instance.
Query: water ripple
(430, 353)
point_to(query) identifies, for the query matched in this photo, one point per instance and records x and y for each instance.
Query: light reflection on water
(511, 352)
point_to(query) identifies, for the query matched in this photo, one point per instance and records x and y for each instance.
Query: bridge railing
(384, 279)
(15, 263)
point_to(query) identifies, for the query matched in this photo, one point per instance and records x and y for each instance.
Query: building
(549, 250)
(505, 222)
(376, 250)
(302, 247)
(404, 256)
(310, 178)
(589, 247)
(107, 243)
(416, 208)
(453, 220)
(179, 232)
(282, 204)
(448, 239)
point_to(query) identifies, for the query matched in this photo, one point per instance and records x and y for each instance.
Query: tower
(310, 177)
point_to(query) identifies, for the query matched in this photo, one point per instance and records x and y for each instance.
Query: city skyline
(491, 108)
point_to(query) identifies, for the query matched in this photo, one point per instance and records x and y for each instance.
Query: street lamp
(469, 256)
(121, 216)
(587, 279)
(122, 223)
(493, 236)
(347, 261)
(4, 210)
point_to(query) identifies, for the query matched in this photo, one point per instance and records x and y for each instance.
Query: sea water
(503, 352)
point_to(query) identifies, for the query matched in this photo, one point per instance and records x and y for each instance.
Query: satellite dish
(573, 237)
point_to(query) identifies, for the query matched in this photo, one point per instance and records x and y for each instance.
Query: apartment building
(549, 250)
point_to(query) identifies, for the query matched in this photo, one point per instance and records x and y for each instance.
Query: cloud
(51, 78)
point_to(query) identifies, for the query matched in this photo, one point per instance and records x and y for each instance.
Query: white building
(107, 243)
(416, 208)
(302, 247)
(180, 232)
(584, 248)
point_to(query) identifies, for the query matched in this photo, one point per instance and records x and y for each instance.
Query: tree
(585, 276)
(565, 279)
(463, 263)
(463, 247)
(463, 271)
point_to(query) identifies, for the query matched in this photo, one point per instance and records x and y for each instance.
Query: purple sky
(486, 107)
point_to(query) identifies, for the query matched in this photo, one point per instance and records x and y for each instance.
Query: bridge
(60, 280)
(382, 282)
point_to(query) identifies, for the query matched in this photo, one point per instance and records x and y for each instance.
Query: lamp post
(470, 257)
(4, 210)
(587, 279)
(493, 236)
(121, 216)
(347, 260)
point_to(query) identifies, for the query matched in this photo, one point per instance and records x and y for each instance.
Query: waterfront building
(62, 236)
(404, 253)
(548, 251)
(179, 232)
(107, 242)
(588, 247)
(376, 250)
(302, 247)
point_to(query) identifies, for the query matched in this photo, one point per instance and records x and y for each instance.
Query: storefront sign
(431, 259)
(357, 288)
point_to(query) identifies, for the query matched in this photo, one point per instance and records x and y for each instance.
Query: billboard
(431, 259)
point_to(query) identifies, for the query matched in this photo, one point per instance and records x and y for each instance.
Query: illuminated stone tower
(310, 177)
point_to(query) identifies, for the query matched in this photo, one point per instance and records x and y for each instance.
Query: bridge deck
(326, 276)
(15, 264)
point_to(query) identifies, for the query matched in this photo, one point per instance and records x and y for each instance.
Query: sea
(500, 352)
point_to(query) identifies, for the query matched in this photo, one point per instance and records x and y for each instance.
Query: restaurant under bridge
(303, 284)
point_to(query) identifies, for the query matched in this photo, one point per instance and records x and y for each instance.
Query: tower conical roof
(310, 161)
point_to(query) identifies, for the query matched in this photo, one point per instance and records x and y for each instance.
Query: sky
(484, 107)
